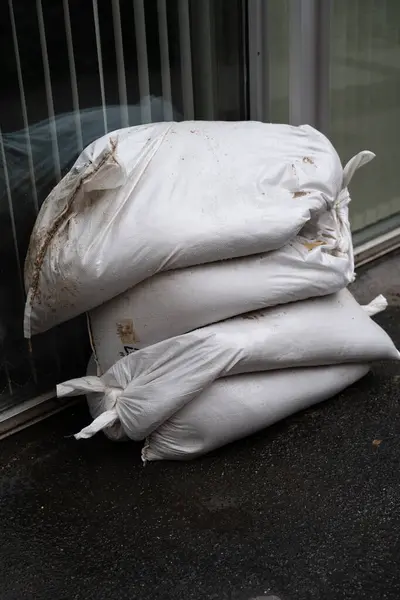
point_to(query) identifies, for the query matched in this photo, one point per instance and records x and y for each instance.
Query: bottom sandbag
(144, 389)
(234, 407)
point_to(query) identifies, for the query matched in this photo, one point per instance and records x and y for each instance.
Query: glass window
(365, 101)
(72, 71)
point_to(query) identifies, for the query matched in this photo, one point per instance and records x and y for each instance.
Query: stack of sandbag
(194, 247)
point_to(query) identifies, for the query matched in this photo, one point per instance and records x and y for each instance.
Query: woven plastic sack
(170, 195)
(145, 388)
(175, 302)
(234, 407)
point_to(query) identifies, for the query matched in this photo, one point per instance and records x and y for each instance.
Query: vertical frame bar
(323, 51)
(119, 50)
(96, 23)
(303, 64)
(256, 69)
(12, 216)
(204, 59)
(49, 90)
(245, 59)
(143, 65)
(259, 60)
(72, 73)
(186, 59)
(165, 65)
(265, 57)
(309, 62)
(23, 106)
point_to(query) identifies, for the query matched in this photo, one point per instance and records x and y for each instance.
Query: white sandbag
(143, 389)
(175, 302)
(234, 407)
(170, 195)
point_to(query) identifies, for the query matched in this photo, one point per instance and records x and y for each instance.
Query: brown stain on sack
(40, 243)
(254, 315)
(312, 245)
(300, 194)
(251, 317)
(308, 160)
(126, 331)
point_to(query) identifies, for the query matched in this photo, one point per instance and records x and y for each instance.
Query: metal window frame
(309, 91)
(309, 23)
(258, 60)
(378, 245)
(309, 43)
(32, 411)
(308, 61)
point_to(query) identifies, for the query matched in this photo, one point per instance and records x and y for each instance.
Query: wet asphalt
(308, 509)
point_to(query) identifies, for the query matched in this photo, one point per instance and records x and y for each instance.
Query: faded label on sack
(127, 335)
(126, 331)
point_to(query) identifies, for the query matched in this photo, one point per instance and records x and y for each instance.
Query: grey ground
(307, 509)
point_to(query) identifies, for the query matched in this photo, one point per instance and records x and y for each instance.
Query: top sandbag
(169, 195)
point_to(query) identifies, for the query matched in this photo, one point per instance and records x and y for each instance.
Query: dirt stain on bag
(300, 194)
(311, 245)
(67, 190)
(126, 331)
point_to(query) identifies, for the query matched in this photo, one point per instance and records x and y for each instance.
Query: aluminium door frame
(309, 89)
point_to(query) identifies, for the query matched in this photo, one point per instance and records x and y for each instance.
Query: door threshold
(377, 247)
(31, 411)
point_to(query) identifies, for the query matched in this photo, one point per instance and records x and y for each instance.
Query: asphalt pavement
(308, 509)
